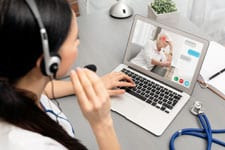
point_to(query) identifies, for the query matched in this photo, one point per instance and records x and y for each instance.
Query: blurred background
(206, 14)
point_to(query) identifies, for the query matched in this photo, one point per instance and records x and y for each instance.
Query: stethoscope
(205, 132)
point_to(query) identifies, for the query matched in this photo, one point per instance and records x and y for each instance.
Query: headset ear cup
(57, 55)
(54, 63)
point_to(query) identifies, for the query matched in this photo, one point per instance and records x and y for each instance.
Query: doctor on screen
(155, 53)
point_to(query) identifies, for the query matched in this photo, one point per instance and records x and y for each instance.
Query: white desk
(103, 41)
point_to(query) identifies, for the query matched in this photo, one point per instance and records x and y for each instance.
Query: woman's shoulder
(12, 137)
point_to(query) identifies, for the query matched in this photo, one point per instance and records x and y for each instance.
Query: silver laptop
(161, 90)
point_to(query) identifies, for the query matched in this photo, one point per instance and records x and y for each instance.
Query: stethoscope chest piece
(197, 108)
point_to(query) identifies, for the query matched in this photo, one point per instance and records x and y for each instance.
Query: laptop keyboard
(152, 93)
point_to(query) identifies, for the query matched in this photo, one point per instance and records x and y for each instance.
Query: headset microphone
(91, 67)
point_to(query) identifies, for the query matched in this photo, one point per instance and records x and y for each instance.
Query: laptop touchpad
(127, 105)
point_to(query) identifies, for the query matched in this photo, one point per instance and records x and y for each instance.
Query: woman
(25, 121)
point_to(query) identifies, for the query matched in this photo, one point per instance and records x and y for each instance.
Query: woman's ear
(40, 65)
(38, 62)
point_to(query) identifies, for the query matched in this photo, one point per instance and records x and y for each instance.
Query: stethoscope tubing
(206, 125)
(205, 133)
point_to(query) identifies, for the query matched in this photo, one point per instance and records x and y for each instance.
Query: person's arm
(58, 88)
(111, 81)
(159, 63)
(170, 54)
(94, 102)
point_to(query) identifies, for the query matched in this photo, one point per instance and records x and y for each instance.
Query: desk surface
(103, 42)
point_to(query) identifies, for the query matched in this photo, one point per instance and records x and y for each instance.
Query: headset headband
(50, 63)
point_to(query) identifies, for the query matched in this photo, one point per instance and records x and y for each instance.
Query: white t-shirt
(53, 111)
(149, 52)
(15, 138)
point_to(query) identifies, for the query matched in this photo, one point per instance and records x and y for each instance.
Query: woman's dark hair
(20, 48)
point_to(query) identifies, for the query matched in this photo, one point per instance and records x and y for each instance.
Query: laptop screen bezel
(192, 36)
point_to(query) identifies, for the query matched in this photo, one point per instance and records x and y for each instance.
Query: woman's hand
(114, 80)
(92, 96)
(94, 102)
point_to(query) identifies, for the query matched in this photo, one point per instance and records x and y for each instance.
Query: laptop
(162, 91)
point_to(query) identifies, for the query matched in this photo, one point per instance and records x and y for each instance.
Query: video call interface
(165, 53)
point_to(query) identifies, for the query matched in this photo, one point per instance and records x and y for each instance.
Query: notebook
(213, 69)
(162, 91)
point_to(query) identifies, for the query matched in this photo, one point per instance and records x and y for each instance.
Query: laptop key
(137, 95)
(149, 101)
(163, 108)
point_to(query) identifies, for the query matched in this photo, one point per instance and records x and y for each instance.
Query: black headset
(50, 63)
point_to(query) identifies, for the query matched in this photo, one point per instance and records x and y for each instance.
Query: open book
(213, 69)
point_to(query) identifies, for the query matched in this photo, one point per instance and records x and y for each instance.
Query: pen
(216, 74)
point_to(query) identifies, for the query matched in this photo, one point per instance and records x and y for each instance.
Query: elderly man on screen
(154, 53)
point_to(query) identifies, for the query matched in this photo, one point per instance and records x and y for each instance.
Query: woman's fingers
(114, 80)
(97, 85)
(127, 78)
(92, 95)
(78, 88)
(117, 79)
(116, 92)
(87, 81)
(124, 84)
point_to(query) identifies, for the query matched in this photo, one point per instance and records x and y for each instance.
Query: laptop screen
(167, 54)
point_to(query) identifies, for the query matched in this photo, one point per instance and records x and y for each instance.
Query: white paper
(214, 60)
(213, 63)
(218, 83)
